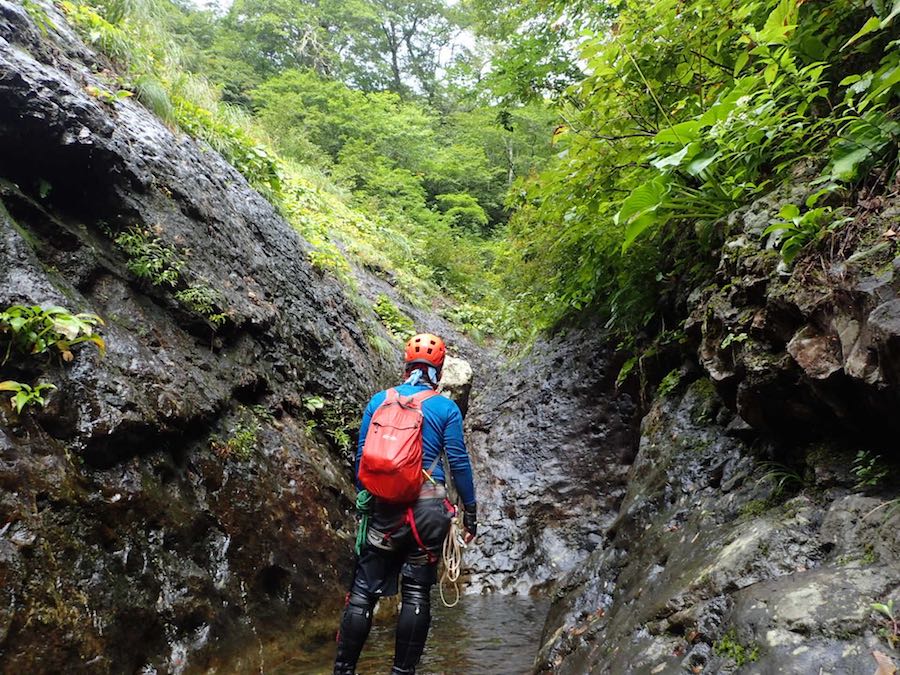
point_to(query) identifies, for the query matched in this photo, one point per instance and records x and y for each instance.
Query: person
(395, 547)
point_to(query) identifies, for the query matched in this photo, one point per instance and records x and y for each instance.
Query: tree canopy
(535, 158)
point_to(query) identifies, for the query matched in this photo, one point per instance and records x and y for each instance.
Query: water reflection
(483, 635)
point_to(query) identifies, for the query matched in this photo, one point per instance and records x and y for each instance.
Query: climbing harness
(364, 509)
(451, 557)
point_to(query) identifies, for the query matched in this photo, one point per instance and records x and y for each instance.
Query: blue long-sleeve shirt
(442, 430)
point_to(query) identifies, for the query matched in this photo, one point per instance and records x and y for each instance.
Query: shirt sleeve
(458, 456)
(363, 430)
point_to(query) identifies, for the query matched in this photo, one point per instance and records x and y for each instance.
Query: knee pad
(361, 603)
(415, 592)
(356, 622)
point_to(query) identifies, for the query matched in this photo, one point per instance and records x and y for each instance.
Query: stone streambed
(482, 635)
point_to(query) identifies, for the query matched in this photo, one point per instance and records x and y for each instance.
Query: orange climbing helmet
(425, 348)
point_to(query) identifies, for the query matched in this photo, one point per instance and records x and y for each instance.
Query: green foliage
(204, 301)
(795, 230)
(734, 339)
(730, 647)
(463, 211)
(241, 442)
(869, 469)
(152, 92)
(149, 258)
(626, 370)
(28, 330)
(888, 621)
(336, 418)
(398, 324)
(755, 507)
(161, 265)
(688, 111)
(109, 97)
(23, 394)
(669, 383)
(246, 155)
(441, 174)
(476, 320)
(39, 15)
(782, 477)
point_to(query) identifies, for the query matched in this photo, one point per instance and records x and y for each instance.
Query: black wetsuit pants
(395, 549)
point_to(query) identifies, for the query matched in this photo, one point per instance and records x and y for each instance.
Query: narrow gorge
(723, 502)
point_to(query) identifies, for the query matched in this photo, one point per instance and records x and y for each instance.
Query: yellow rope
(452, 559)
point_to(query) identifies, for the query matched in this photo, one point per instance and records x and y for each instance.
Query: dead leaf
(885, 664)
(67, 356)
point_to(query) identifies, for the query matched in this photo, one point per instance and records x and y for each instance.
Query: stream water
(482, 635)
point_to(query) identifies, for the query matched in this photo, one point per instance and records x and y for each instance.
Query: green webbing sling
(363, 501)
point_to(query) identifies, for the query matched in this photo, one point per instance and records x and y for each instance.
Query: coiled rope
(363, 508)
(452, 558)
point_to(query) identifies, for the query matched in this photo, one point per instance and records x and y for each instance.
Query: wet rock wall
(552, 440)
(177, 497)
(752, 538)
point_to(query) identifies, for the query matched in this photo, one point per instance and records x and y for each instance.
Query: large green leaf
(676, 158)
(869, 26)
(683, 132)
(700, 163)
(781, 22)
(639, 210)
(846, 160)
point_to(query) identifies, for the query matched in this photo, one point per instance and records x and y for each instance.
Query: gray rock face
(817, 345)
(176, 497)
(747, 540)
(709, 569)
(551, 441)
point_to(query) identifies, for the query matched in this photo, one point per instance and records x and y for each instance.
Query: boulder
(456, 382)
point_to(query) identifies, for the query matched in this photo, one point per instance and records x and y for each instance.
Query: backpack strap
(421, 397)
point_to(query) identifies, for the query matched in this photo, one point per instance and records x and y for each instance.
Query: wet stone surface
(552, 441)
(709, 569)
(176, 496)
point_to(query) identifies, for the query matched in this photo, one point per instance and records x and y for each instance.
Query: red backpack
(391, 464)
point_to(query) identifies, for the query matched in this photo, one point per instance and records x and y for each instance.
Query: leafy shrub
(24, 394)
(686, 113)
(246, 155)
(463, 211)
(398, 324)
(869, 469)
(149, 258)
(336, 418)
(474, 319)
(41, 330)
(204, 301)
(240, 443)
(795, 230)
